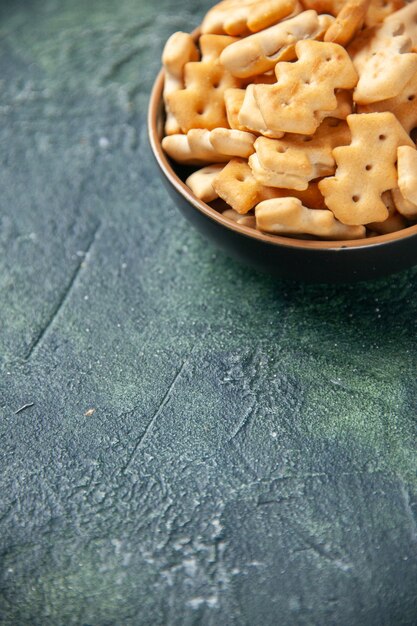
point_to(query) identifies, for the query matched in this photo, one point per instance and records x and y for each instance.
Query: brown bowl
(298, 259)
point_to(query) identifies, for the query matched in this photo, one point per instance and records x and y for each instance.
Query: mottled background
(251, 459)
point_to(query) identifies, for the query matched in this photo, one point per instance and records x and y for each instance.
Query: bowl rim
(155, 106)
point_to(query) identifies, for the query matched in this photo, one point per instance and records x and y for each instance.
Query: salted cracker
(403, 106)
(237, 186)
(365, 169)
(380, 9)
(203, 146)
(179, 50)
(305, 91)
(311, 197)
(243, 220)
(201, 182)
(288, 216)
(240, 17)
(250, 116)
(349, 21)
(234, 143)
(384, 58)
(394, 222)
(403, 22)
(333, 7)
(201, 103)
(404, 207)
(233, 99)
(407, 173)
(243, 112)
(295, 160)
(212, 46)
(259, 53)
(198, 151)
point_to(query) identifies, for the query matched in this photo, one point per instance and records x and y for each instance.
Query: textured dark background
(251, 459)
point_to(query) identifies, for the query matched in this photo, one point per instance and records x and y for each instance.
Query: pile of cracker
(298, 115)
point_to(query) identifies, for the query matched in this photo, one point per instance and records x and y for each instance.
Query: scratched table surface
(183, 440)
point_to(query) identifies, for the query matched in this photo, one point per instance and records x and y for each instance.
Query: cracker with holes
(365, 169)
(385, 61)
(348, 22)
(403, 22)
(201, 103)
(179, 50)
(407, 173)
(237, 186)
(295, 160)
(240, 17)
(288, 216)
(204, 146)
(305, 90)
(261, 52)
(259, 105)
(403, 106)
(250, 116)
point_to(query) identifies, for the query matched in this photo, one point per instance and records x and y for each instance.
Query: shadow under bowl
(284, 257)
